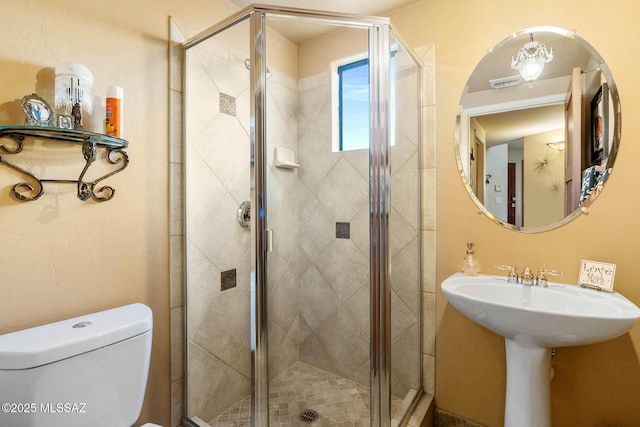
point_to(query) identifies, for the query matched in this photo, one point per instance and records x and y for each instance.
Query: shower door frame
(379, 53)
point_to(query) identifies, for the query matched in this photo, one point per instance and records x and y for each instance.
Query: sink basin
(532, 320)
(557, 316)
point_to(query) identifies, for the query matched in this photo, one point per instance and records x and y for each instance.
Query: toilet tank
(89, 371)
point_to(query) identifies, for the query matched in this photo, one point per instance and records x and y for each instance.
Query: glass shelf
(90, 141)
(60, 134)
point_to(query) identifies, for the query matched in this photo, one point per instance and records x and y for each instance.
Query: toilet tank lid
(50, 343)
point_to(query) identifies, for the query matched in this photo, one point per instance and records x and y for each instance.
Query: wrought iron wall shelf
(90, 142)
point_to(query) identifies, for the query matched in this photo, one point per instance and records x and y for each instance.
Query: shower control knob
(244, 215)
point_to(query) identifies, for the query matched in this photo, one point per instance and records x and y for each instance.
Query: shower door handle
(269, 239)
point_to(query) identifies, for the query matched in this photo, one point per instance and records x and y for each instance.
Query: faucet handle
(541, 280)
(553, 272)
(513, 274)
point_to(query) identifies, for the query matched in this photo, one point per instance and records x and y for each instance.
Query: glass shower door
(217, 162)
(318, 271)
(405, 229)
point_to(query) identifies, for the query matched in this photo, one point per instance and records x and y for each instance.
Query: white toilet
(90, 371)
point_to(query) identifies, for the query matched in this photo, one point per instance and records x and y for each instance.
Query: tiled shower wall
(427, 55)
(176, 222)
(282, 218)
(291, 327)
(334, 271)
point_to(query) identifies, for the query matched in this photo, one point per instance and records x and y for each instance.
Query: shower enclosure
(302, 195)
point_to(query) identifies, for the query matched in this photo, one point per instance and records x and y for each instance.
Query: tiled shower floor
(338, 401)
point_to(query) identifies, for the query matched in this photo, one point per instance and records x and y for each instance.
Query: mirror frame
(615, 143)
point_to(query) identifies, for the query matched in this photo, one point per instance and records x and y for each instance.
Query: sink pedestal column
(527, 403)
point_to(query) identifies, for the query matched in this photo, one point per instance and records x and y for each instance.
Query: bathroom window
(353, 104)
(353, 95)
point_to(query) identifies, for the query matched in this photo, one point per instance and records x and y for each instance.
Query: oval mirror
(538, 129)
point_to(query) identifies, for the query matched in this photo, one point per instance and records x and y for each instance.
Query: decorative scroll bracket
(91, 142)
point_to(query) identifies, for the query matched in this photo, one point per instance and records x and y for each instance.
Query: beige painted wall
(61, 257)
(344, 43)
(543, 186)
(594, 385)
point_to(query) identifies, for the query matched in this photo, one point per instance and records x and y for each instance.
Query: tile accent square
(343, 230)
(227, 104)
(228, 279)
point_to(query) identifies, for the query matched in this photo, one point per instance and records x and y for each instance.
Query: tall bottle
(113, 121)
(470, 264)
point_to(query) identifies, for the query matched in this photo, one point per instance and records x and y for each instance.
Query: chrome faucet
(541, 279)
(512, 277)
(527, 277)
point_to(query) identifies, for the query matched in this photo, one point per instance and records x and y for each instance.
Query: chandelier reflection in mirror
(530, 60)
(515, 133)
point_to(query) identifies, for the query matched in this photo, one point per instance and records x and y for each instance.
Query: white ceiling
(554, 81)
(299, 32)
(567, 54)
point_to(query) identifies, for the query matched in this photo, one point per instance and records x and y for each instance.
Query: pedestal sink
(532, 320)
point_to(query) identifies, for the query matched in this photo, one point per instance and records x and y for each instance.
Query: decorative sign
(597, 275)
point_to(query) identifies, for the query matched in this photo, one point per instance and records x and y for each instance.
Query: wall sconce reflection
(560, 145)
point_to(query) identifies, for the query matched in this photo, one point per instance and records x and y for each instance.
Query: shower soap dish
(285, 158)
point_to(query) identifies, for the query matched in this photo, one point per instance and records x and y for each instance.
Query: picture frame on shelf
(38, 111)
(65, 121)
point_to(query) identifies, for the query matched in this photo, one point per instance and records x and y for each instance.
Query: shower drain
(308, 416)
